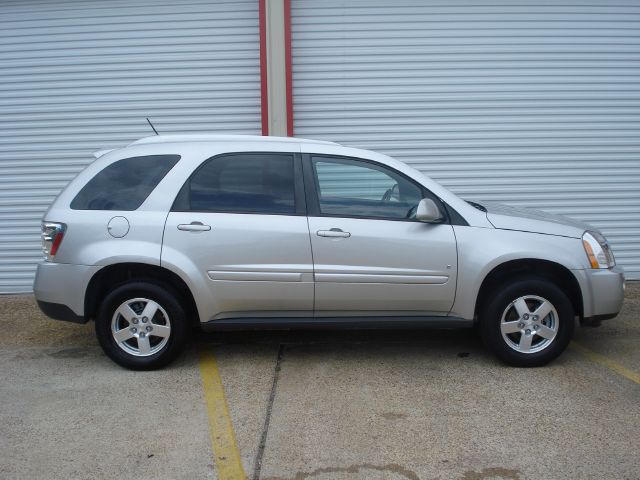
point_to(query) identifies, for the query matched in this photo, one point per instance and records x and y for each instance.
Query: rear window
(125, 184)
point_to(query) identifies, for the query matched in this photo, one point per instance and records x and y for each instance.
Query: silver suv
(238, 231)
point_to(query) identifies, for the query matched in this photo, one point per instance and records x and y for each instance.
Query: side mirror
(428, 211)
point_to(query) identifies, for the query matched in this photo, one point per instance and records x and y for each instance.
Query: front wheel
(141, 325)
(528, 322)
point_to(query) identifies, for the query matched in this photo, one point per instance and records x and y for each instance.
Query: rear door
(370, 255)
(238, 229)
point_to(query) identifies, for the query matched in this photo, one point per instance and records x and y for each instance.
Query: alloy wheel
(140, 327)
(529, 324)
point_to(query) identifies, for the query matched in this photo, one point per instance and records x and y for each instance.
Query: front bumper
(60, 289)
(602, 292)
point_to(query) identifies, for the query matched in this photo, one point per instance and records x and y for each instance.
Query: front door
(370, 254)
(238, 226)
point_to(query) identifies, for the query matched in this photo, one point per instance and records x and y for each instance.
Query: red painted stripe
(264, 104)
(287, 66)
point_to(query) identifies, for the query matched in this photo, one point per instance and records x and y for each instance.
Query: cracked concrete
(363, 470)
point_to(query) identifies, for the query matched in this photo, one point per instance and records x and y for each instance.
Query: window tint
(125, 184)
(355, 188)
(243, 183)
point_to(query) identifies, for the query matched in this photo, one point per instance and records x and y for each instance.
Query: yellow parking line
(607, 362)
(223, 439)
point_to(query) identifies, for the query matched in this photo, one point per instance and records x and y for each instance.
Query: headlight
(598, 251)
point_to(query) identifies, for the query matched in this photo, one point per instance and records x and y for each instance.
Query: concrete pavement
(347, 405)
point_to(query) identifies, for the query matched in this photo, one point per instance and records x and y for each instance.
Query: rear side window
(125, 184)
(241, 183)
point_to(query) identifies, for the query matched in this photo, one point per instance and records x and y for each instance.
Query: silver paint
(277, 264)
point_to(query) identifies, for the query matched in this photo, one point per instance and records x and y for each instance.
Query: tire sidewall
(159, 293)
(492, 313)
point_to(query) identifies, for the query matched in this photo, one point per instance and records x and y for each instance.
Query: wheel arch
(105, 279)
(546, 269)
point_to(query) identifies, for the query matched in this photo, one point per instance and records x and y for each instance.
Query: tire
(511, 329)
(151, 325)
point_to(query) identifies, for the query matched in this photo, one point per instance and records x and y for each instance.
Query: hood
(528, 220)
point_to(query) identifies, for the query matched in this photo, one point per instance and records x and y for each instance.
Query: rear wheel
(528, 322)
(141, 325)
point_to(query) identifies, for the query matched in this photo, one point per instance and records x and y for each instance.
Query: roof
(225, 138)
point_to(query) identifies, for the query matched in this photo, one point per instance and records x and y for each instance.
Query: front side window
(125, 184)
(354, 188)
(241, 183)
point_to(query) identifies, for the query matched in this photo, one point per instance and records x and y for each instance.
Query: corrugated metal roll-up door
(534, 104)
(77, 76)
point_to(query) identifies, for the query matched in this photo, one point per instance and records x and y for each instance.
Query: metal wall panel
(79, 76)
(533, 103)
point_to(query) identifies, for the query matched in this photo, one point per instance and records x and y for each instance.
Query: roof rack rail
(225, 138)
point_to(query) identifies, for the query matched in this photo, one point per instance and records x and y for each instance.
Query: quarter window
(241, 183)
(353, 188)
(125, 184)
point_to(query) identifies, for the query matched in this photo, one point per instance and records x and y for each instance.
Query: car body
(246, 231)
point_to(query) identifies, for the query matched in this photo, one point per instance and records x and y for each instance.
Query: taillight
(52, 235)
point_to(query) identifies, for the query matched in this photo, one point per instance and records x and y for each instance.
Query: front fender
(481, 250)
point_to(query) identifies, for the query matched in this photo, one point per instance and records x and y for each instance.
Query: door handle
(333, 233)
(194, 227)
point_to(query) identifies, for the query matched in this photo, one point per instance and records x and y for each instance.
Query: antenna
(154, 128)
